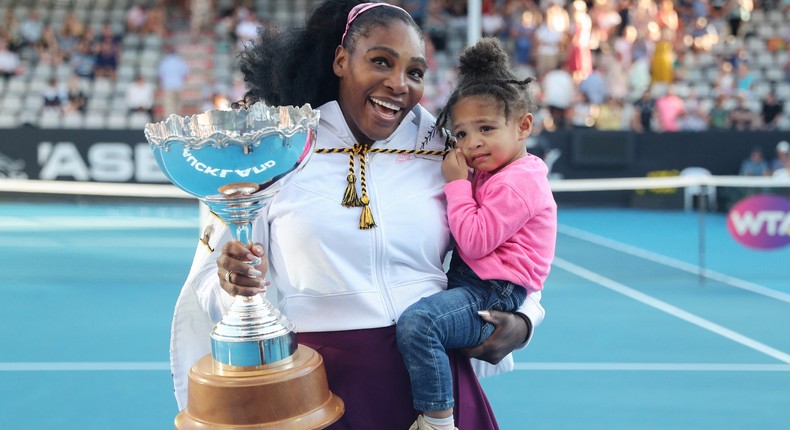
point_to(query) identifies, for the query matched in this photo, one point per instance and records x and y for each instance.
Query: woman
(344, 284)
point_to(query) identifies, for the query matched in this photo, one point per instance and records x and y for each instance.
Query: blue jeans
(449, 320)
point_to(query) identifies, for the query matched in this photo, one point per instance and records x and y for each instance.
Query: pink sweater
(505, 224)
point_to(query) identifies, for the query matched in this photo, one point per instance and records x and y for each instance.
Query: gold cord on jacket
(350, 198)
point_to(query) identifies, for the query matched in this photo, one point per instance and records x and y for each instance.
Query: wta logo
(761, 221)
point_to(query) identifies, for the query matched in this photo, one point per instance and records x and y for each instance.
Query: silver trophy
(235, 161)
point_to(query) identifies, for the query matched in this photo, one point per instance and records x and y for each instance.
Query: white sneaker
(421, 424)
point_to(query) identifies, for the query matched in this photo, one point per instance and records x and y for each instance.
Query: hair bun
(487, 57)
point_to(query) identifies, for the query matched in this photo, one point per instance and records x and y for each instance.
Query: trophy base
(288, 395)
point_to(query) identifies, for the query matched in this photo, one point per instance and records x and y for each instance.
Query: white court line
(672, 310)
(85, 366)
(19, 224)
(676, 264)
(656, 367)
(671, 367)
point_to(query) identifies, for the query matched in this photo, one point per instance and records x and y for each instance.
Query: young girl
(503, 221)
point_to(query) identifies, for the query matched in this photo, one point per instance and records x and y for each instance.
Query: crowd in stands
(641, 65)
(778, 166)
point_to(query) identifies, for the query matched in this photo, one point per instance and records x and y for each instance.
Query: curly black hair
(294, 66)
(484, 70)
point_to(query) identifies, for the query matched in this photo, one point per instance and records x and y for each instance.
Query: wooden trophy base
(291, 394)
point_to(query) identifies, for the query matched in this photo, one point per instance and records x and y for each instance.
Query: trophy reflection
(235, 161)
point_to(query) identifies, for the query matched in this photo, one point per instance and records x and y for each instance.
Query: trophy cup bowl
(235, 161)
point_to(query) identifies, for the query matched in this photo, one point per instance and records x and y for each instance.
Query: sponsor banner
(78, 155)
(761, 221)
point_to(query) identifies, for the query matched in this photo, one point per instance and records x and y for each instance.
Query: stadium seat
(116, 121)
(9, 120)
(49, 119)
(94, 120)
(690, 192)
(72, 120)
(138, 120)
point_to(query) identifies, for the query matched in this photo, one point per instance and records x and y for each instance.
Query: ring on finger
(227, 276)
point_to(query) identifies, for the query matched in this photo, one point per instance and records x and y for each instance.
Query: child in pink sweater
(504, 221)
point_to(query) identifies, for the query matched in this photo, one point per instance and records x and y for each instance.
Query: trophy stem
(253, 332)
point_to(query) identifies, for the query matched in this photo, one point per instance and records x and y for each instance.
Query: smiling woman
(344, 279)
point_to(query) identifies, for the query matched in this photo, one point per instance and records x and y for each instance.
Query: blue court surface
(635, 336)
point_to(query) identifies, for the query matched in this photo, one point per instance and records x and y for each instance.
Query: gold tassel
(350, 198)
(366, 218)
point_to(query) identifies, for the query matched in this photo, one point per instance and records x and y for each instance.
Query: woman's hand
(241, 269)
(454, 166)
(510, 332)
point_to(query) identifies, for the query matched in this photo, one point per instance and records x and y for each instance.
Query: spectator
(644, 113)
(84, 61)
(76, 99)
(10, 63)
(48, 50)
(693, 119)
(755, 165)
(719, 115)
(106, 60)
(172, 71)
(639, 77)
(616, 74)
(106, 34)
(662, 65)
(72, 25)
(140, 96)
(610, 115)
(744, 79)
(10, 31)
(31, 29)
(725, 81)
(135, 19)
(53, 96)
(246, 31)
(738, 12)
(582, 114)
(436, 26)
(669, 108)
(548, 44)
(523, 34)
(200, 14)
(594, 87)
(69, 40)
(580, 55)
(155, 20)
(771, 112)
(557, 86)
(741, 117)
(782, 157)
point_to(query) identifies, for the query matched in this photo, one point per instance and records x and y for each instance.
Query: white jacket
(330, 274)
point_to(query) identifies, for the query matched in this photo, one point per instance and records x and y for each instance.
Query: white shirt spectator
(140, 95)
(9, 61)
(558, 88)
(31, 28)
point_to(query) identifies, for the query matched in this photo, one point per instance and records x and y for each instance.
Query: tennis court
(634, 338)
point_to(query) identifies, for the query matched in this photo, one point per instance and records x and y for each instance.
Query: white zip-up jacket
(330, 274)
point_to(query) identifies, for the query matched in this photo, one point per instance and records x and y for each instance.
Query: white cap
(783, 146)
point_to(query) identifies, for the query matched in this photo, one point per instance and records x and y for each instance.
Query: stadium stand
(708, 60)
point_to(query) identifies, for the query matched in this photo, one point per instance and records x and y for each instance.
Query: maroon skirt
(365, 368)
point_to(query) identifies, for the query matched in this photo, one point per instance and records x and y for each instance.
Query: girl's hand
(241, 270)
(454, 166)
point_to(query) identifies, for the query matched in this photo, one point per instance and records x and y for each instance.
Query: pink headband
(357, 10)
